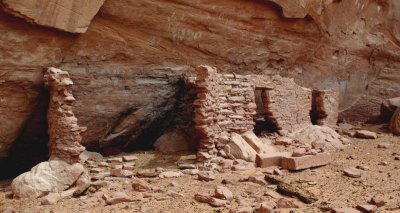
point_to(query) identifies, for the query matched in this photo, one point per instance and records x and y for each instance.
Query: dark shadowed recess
(144, 133)
(30, 148)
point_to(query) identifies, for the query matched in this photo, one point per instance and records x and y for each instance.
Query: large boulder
(172, 141)
(48, 176)
(318, 134)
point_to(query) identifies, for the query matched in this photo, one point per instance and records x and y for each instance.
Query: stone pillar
(64, 131)
(205, 110)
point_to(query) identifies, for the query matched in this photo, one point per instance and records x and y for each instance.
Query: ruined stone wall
(225, 104)
(325, 107)
(286, 105)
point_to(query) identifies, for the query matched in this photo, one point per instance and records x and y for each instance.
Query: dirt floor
(333, 189)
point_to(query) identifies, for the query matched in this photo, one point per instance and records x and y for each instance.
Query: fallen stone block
(365, 134)
(255, 142)
(304, 162)
(367, 208)
(271, 159)
(239, 148)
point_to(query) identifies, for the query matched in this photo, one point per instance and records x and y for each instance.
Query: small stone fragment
(140, 185)
(362, 167)
(186, 166)
(206, 175)
(114, 160)
(384, 145)
(103, 164)
(116, 197)
(367, 208)
(149, 173)
(121, 173)
(377, 202)
(345, 210)
(278, 171)
(170, 174)
(51, 198)
(299, 152)
(129, 165)
(285, 203)
(190, 171)
(96, 170)
(352, 172)
(283, 141)
(265, 208)
(365, 134)
(243, 166)
(129, 158)
(244, 209)
(215, 202)
(223, 193)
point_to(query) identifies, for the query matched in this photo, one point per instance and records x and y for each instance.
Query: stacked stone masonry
(64, 131)
(325, 105)
(226, 104)
(286, 105)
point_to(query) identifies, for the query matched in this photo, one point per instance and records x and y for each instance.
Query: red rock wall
(128, 64)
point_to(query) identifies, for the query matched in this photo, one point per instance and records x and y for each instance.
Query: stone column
(64, 131)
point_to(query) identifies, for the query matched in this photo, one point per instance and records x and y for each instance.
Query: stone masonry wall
(325, 107)
(286, 104)
(225, 104)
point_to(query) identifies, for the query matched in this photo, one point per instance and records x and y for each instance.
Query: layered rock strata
(71, 16)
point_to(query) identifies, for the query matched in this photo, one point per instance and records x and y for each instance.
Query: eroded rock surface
(70, 16)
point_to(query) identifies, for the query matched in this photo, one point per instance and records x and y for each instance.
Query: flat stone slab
(271, 159)
(307, 161)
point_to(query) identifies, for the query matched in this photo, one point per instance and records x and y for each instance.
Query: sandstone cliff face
(71, 16)
(127, 67)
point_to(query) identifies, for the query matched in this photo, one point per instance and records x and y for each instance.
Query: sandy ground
(328, 182)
